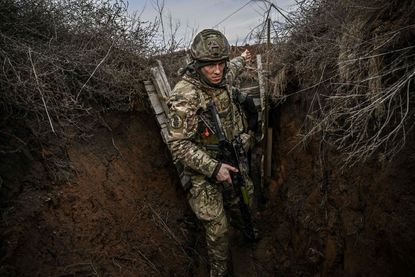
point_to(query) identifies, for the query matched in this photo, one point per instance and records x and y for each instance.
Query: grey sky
(200, 14)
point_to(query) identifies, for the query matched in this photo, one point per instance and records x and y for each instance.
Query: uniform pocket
(205, 199)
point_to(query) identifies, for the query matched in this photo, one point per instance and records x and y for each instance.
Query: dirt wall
(119, 214)
(115, 209)
(334, 221)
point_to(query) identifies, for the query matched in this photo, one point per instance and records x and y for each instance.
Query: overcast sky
(236, 18)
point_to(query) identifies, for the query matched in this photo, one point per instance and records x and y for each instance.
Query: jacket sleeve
(183, 123)
(236, 67)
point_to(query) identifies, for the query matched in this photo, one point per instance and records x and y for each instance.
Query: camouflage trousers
(211, 203)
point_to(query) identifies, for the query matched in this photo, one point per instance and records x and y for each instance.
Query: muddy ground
(116, 209)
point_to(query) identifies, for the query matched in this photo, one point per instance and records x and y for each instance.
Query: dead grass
(354, 64)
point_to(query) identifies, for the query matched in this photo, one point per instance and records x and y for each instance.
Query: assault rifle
(233, 153)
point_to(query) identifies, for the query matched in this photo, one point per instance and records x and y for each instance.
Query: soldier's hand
(247, 56)
(224, 173)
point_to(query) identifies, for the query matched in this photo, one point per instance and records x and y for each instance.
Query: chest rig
(228, 111)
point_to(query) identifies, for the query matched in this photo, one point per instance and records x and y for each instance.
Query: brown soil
(331, 221)
(121, 212)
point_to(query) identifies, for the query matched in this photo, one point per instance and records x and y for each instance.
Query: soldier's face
(214, 72)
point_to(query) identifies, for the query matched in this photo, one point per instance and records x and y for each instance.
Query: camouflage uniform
(188, 136)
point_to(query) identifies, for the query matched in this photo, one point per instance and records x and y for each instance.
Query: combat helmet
(210, 46)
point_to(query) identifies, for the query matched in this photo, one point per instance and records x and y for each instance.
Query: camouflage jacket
(189, 120)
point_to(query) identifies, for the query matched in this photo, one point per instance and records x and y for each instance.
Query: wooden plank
(161, 118)
(158, 81)
(149, 86)
(264, 124)
(266, 135)
(154, 99)
(160, 87)
(158, 91)
(167, 88)
(262, 94)
(164, 135)
(155, 103)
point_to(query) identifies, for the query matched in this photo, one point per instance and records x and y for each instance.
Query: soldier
(208, 77)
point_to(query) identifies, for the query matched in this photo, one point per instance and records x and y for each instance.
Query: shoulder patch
(176, 122)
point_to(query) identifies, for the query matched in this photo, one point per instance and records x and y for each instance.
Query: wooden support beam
(159, 90)
(266, 132)
(161, 84)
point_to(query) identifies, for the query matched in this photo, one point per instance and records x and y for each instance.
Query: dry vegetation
(64, 64)
(61, 59)
(355, 63)
(68, 65)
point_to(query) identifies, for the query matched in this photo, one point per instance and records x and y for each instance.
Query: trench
(122, 212)
(333, 221)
